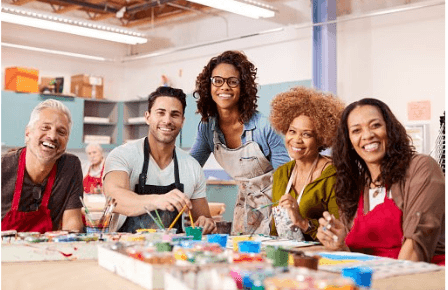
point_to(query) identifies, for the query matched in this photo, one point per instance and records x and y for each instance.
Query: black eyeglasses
(231, 82)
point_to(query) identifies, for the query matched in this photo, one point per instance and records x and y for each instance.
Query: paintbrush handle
(177, 217)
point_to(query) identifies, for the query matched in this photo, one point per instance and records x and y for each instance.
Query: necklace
(377, 191)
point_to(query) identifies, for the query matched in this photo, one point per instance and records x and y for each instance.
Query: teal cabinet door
(16, 110)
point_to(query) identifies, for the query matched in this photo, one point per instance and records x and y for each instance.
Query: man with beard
(151, 174)
(41, 184)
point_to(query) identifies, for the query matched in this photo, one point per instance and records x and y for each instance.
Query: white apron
(253, 172)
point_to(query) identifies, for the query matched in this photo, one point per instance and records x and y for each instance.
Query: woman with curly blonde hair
(304, 187)
(240, 138)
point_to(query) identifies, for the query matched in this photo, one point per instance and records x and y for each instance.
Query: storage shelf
(101, 124)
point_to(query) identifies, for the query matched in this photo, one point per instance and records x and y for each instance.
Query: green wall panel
(16, 110)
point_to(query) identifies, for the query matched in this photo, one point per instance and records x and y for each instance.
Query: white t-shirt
(129, 158)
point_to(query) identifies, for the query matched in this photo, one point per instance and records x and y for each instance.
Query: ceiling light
(60, 26)
(71, 54)
(246, 7)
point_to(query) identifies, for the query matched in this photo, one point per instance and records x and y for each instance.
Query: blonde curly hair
(323, 109)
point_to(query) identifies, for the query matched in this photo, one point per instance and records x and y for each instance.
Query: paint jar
(164, 247)
(361, 276)
(249, 247)
(196, 232)
(310, 262)
(224, 227)
(237, 239)
(220, 239)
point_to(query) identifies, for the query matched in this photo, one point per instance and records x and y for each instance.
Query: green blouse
(318, 196)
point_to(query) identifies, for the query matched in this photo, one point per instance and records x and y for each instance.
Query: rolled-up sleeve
(423, 204)
(201, 148)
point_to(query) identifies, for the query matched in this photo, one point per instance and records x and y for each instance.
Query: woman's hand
(331, 232)
(291, 205)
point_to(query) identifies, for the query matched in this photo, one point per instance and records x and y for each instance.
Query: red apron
(34, 221)
(90, 182)
(379, 230)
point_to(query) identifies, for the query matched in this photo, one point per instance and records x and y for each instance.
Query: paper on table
(382, 267)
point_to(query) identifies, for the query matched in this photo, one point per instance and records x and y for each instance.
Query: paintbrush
(154, 219)
(87, 211)
(177, 217)
(266, 205)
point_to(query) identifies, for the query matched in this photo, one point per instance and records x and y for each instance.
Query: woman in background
(392, 200)
(241, 139)
(304, 187)
(93, 172)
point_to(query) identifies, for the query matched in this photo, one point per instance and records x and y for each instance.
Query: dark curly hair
(167, 92)
(323, 109)
(247, 104)
(352, 172)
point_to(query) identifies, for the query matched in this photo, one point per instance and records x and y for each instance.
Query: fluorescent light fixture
(65, 53)
(246, 8)
(71, 26)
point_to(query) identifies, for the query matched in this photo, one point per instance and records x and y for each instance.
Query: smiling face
(368, 135)
(224, 96)
(300, 139)
(47, 138)
(165, 119)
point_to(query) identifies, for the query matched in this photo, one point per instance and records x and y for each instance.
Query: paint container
(237, 239)
(224, 227)
(220, 239)
(361, 276)
(145, 231)
(196, 232)
(310, 262)
(249, 247)
(164, 247)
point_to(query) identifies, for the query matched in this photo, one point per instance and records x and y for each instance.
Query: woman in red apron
(34, 221)
(93, 178)
(392, 200)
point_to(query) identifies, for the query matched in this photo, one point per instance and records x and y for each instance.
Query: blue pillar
(324, 46)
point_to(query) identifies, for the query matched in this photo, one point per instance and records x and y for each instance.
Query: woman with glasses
(240, 138)
(303, 187)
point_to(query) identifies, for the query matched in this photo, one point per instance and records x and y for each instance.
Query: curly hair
(323, 109)
(352, 172)
(247, 104)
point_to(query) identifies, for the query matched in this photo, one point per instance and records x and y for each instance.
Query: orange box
(21, 79)
(87, 86)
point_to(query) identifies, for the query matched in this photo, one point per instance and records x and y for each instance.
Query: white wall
(53, 65)
(397, 58)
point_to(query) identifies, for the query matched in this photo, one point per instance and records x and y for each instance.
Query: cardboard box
(21, 79)
(52, 85)
(87, 86)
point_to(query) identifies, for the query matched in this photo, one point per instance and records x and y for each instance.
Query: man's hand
(207, 224)
(174, 199)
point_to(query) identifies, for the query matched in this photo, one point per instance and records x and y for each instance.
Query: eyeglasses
(231, 82)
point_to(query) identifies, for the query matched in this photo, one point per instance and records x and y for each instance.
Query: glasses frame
(225, 80)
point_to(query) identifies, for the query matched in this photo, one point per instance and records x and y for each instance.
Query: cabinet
(134, 124)
(100, 122)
